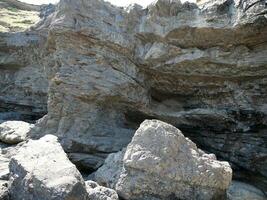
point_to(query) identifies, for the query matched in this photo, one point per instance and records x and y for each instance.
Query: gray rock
(200, 67)
(159, 156)
(243, 191)
(97, 192)
(4, 170)
(109, 173)
(23, 83)
(4, 195)
(41, 170)
(6, 152)
(13, 132)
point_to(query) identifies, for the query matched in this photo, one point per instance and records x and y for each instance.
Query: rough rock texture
(109, 173)
(200, 67)
(243, 191)
(23, 83)
(4, 190)
(4, 161)
(6, 152)
(41, 170)
(13, 132)
(160, 163)
(97, 192)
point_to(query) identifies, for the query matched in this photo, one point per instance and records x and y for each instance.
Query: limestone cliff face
(202, 68)
(23, 83)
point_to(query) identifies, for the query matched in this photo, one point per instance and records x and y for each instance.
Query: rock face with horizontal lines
(23, 83)
(200, 67)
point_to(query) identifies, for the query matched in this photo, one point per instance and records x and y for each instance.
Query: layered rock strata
(200, 67)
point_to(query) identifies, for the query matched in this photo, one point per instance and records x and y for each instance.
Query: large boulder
(41, 170)
(13, 132)
(160, 163)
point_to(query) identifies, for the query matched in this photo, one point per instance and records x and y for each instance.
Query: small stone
(97, 192)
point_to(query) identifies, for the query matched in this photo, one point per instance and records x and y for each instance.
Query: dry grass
(13, 20)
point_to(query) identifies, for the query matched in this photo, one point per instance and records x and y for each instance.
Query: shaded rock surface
(41, 170)
(109, 174)
(243, 191)
(85, 162)
(23, 83)
(6, 152)
(13, 132)
(160, 163)
(200, 67)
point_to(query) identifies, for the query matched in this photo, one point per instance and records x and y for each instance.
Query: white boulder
(13, 132)
(160, 163)
(41, 170)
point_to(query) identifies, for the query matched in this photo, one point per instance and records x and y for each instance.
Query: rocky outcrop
(159, 156)
(13, 132)
(200, 67)
(41, 170)
(23, 83)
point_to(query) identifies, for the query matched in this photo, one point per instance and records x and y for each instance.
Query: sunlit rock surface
(160, 163)
(41, 170)
(200, 67)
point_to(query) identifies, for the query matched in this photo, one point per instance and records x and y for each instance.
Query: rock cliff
(200, 67)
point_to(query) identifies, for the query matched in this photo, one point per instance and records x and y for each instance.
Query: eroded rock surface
(13, 132)
(23, 83)
(4, 195)
(160, 163)
(200, 67)
(97, 192)
(41, 170)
